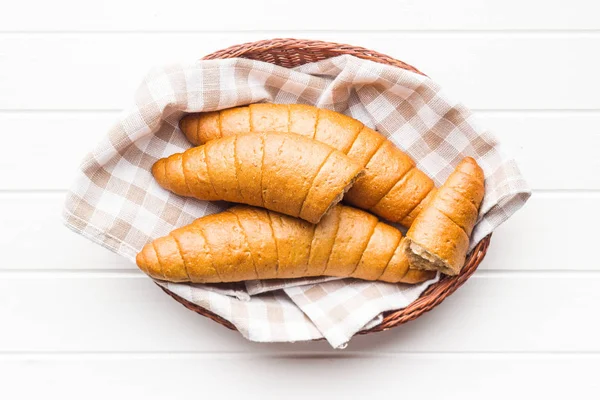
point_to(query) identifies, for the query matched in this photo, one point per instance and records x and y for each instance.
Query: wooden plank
(547, 235)
(35, 239)
(492, 71)
(553, 150)
(57, 141)
(112, 15)
(150, 377)
(500, 312)
(48, 147)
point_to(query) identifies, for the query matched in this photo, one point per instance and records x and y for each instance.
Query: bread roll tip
(147, 261)
(139, 260)
(158, 168)
(470, 166)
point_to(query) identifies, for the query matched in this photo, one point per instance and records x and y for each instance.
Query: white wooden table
(80, 322)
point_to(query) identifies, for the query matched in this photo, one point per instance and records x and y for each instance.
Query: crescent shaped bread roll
(391, 187)
(245, 243)
(287, 173)
(439, 237)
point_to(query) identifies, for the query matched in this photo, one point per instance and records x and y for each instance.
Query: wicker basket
(291, 53)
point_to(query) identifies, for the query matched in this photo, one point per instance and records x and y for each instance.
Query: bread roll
(392, 187)
(439, 237)
(287, 173)
(245, 243)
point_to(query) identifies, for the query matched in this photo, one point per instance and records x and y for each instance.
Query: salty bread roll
(287, 173)
(245, 243)
(392, 187)
(439, 237)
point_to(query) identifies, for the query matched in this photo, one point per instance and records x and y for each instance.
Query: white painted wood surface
(525, 70)
(269, 15)
(81, 322)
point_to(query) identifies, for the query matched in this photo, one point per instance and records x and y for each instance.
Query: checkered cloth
(115, 201)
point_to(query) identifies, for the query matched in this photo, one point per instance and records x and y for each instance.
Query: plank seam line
(430, 31)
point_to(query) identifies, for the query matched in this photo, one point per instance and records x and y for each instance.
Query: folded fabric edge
(97, 235)
(255, 287)
(241, 329)
(506, 206)
(339, 338)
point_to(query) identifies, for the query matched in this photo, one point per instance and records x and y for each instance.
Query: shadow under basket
(291, 53)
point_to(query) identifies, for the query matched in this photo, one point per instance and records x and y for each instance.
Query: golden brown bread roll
(439, 237)
(287, 173)
(392, 187)
(245, 243)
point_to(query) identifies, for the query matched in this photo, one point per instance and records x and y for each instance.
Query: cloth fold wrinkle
(115, 202)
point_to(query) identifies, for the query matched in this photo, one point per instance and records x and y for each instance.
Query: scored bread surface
(439, 237)
(287, 173)
(246, 243)
(389, 172)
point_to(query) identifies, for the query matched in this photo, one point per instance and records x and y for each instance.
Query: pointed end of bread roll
(414, 276)
(189, 127)
(140, 261)
(400, 270)
(469, 166)
(170, 175)
(147, 261)
(159, 172)
(396, 267)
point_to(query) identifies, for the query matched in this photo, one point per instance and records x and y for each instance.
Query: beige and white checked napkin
(116, 203)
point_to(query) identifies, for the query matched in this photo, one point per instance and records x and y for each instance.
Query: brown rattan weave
(291, 53)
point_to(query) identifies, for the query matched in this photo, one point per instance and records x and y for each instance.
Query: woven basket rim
(289, 52)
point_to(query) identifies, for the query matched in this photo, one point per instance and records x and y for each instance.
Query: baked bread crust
(439, 237)
(246, 243)
(287, 173)
(391, 187)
